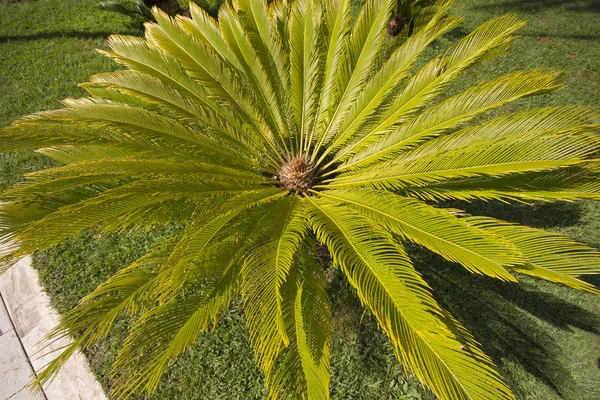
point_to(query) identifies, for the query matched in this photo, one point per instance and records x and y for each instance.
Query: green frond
(94, 160)
(435, 76)
(79, 154)
(154, 92)
(201, 233)
(146, 128)
(126, 169)
(569, 184)
(138, 55)
(459, 109)
(27, 136)
(449, 361)
(254, 59)
(302, 369)
(207, 30)
(264, 272)
(279, 11)
(263, 70)
(549, 256)
(434, 229)
(335, 74)
(307, 38)
(530, 152)
(378, 94)
(366, 40)
(199, 61)
(71, 219)
(541, 121)
(258, 22)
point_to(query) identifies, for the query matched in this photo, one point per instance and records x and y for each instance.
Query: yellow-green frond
(452, 365)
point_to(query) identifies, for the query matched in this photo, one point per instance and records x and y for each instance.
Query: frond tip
(281, 126)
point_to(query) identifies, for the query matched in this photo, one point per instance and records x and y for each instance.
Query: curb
(32, 318)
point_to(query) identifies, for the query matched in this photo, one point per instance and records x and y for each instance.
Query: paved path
(25, 318)
(15, 369)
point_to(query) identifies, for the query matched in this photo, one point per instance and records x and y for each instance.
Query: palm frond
(154, 92)
(367, 38)
(459, 109)
(71, 219)
(127, 168)
(562, 184)
(264, 271)
(149, 126)
(302, 369)
(306, 42)
(335, 74)
(378, 94)
(125, 292)
(549, 256)
(201, 233)
(205, 28)
(449, 361)
(530, 152)
(165, 331)
(255, 66)
(541, 121)
(434, 229)
(485, 41)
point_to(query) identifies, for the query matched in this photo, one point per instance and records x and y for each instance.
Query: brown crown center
(297, 174)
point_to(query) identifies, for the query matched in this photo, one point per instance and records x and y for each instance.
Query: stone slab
(15, 370)
(33, 317)
(5, 324)
(26, 395)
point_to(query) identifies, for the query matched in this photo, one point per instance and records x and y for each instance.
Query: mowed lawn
(544, 337)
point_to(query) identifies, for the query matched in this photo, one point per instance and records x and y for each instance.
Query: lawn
(544, 337)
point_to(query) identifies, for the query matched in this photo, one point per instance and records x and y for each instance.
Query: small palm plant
(278, 129)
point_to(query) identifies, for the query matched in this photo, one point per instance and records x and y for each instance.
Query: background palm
(260, 143)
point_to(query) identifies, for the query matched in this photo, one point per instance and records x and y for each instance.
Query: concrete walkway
(25, 318)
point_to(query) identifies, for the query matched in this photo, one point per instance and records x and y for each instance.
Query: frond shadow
(560, 36)
(593, 279)
(59, 34)
(538, 214)
(537, 5)
(508, 319)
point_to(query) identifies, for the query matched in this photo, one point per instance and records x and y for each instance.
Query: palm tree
(278, 129)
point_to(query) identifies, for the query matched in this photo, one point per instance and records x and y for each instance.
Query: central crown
(297, 173)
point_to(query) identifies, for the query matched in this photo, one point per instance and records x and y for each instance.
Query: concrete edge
(33, 317)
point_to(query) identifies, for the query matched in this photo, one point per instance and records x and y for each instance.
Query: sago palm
(281, 128)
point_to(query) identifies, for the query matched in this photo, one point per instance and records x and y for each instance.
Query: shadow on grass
(460, 32)
(559, 36)
(502, 317)
(593, 279)
(58, 35)
(536, 5)
(538, 215)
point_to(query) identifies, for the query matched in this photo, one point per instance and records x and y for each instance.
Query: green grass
(544, 337)
(46, 49)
